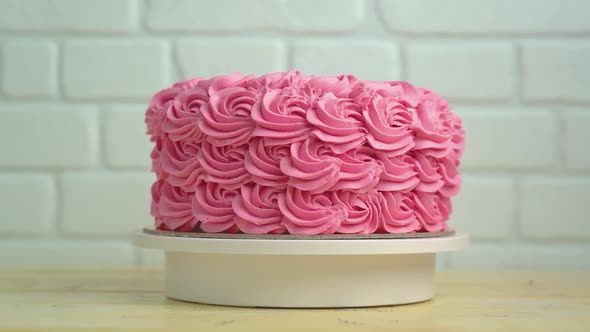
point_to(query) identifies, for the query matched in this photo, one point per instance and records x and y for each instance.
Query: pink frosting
(224, 165)
(310, 214)
(182, 117)
(288, 153)
(339, 123)
(212, 205)
(179, 161)
(257, 210)
(397, 213)
(389, 125)
(227, 120)
(280, 115)
(313, 167)
(431, 210)
(263, 163)
(363, 211)
(171, 206)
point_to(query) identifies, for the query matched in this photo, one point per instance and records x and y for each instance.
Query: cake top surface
(288, 153)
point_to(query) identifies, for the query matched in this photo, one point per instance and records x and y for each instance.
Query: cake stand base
(301, 273)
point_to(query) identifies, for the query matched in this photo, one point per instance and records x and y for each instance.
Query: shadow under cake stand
(298, 271)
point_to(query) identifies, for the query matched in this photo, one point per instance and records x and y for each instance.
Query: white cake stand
(299, 272)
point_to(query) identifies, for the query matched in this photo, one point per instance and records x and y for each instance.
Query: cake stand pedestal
(298, 271)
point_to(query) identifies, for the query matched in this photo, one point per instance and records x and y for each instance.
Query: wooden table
(132, 299)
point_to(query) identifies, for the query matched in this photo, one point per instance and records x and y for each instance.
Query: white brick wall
(257, 56)
(509, 138)
(76, 75)
(93, 69)
(105, 203)
(125, 142)
(29, 69)
(68, 16)
(483, 71)
(556, 71)
(330, 57)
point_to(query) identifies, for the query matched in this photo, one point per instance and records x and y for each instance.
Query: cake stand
(300, 271)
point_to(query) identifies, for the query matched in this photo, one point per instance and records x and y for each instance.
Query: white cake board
(301, 273)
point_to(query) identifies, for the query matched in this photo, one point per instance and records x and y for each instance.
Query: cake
(285, 153)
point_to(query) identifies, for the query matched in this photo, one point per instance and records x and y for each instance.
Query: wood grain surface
(132, 300)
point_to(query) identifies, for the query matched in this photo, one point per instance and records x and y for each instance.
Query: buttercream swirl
(156, 111)
(226, 119)
(438, 131)
(257, 210)
(212, 206)
(363, 211)
(310, 214)
(224, 165)
(182, 117)
(263, 163)
(314, 167)
(340, 86)
(338, 123)
(431, 210)
(389, 125)
(397, 213)
(398, 173)
(280, 117)
(171, 207)
(179, 161)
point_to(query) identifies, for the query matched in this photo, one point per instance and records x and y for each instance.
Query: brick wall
(75, 76)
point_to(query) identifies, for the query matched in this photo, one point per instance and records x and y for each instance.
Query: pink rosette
(447, 168)
(226, 120)
(403, 92)
(280, 116)
(257, 210)
(398, 173)
(179, 161)
(428, 173)
(212, 206)
(437, 175)
(190, 83)
(340, 86)
(155, 156)
(363, 211)
(359, 172)
(310, 214)
(182, 118)
(315, 168)
(438, 131)
(222, 82)
(263, 163)
(156, 112)
(431, 210)
(338, 123)
(388, 124)
(171, 207)
(397, 213)
(224, 165)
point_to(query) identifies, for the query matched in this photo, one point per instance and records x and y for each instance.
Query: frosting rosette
(183, 115)
(363, 211)
(212, 206)
(257, 210)
(338, 123)
(288, 153)
(171, 207)
(310, 214)
(280, 113)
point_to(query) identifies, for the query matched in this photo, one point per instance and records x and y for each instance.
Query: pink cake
(288, 153)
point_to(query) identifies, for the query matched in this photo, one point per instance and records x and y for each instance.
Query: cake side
(287, 153)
